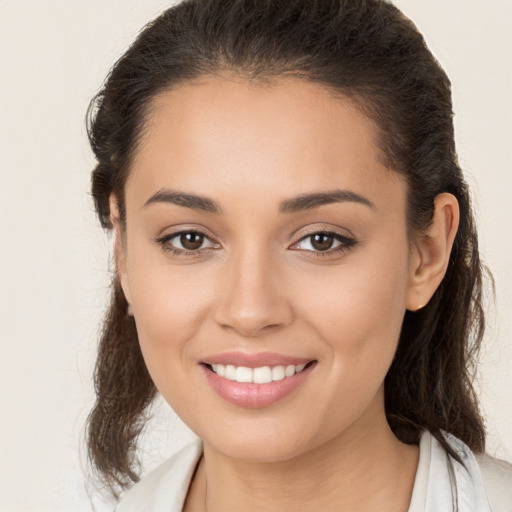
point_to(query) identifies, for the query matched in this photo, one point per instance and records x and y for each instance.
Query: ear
(431, 252)
(119, 247)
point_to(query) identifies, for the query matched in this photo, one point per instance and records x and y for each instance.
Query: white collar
(437, 488)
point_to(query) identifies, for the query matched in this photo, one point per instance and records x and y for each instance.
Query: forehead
(284, 138)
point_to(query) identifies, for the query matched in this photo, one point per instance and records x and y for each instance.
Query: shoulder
(165, 487)
(497, 476)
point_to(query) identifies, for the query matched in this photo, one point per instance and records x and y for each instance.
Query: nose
(253, 299)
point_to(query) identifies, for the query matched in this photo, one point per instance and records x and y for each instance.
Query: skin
(257, 284)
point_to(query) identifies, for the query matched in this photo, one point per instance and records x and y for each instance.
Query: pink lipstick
(255, 380)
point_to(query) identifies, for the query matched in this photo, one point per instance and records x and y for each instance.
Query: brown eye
(325, 243)
(191, 240)
(322, 241)
(188, 243)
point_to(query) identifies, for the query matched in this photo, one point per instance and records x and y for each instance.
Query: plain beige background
(54, 258)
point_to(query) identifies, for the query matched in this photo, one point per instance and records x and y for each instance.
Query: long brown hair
(368, 51)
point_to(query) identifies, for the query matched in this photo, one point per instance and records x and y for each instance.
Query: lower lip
(254, 396)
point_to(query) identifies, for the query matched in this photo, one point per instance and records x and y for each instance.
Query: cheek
(357, 313)
(365, 294)
(170, 305)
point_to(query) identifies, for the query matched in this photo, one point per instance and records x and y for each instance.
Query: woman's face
(264, 231)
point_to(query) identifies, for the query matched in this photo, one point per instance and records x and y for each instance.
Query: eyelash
(346, 243)
(164, 242)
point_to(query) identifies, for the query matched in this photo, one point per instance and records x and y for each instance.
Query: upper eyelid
(343, 232)
(344, 240)
(170, 236)
(180, 231)
(334, 234)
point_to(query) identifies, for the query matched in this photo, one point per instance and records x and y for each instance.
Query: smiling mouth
(259, 375)
(256, 386)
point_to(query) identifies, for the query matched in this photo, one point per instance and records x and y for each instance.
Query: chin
(266, 441)
(260, 449)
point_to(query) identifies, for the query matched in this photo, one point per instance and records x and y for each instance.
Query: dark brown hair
(365, 50)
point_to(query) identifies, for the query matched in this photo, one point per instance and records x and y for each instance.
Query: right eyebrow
(192, 201)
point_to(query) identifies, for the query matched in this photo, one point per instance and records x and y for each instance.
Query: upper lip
(255, 360)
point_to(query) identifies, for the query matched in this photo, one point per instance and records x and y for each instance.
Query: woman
(297, 265)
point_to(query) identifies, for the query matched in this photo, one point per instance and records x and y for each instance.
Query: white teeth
(230, 372)
(290, 370)
(243, 374)
(278, 373)
(261, 375)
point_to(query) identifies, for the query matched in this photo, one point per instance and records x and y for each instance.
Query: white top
(483, 485)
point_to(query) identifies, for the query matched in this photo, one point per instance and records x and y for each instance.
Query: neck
(363, 469)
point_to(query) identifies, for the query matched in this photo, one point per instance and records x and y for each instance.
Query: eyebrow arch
(192, 201)
(296, 204)
(309, 201)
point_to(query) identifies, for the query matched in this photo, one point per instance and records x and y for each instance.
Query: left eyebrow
(309, 201)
